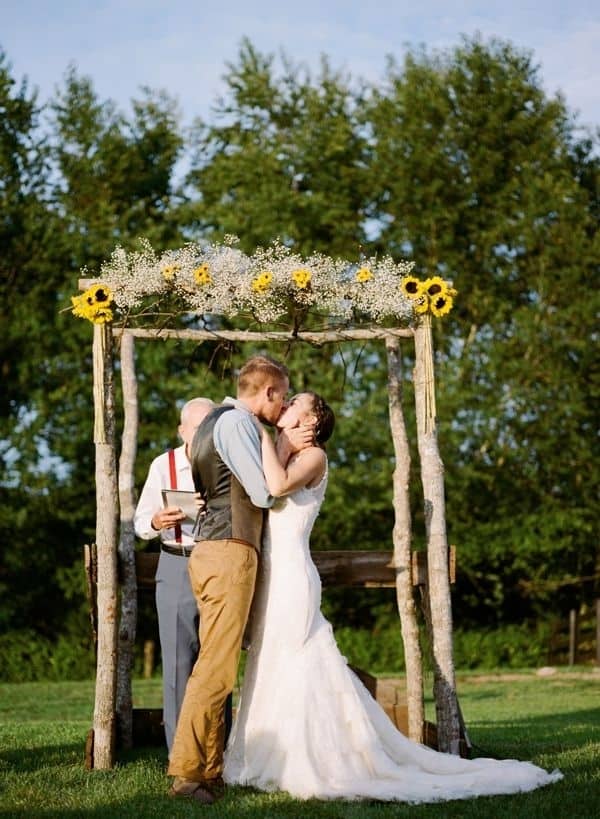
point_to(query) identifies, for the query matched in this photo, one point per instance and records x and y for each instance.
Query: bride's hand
(295, 439)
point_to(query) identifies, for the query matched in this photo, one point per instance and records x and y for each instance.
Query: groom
(227, 469)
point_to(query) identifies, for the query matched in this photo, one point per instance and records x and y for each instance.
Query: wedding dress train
(306, 724)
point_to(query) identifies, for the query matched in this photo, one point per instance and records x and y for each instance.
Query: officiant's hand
(167, 517)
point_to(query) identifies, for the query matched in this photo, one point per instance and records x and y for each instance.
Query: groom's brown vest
(230, 514)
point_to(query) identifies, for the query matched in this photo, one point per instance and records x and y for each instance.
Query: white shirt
(151, 499)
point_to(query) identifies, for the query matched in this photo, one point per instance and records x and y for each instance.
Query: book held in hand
(186, 501)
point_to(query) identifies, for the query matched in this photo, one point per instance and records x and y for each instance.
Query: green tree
(89, 179)
(283, 158)
(485, 183)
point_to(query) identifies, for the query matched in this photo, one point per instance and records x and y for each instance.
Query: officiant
(175, 603)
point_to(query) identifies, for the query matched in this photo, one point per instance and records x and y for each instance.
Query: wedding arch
(142, 294)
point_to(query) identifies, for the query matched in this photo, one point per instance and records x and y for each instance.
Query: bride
(306, 724)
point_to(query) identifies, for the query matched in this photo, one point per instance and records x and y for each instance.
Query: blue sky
(183, 45)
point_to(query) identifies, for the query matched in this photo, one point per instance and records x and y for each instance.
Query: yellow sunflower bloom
(364, 275)
(262, 282)
(101, 315)
(98, 294)
(442, 304)
(412, 287)
(79, 308)
(422, 304)
(435, 286)
(93, 304)
(301, 278)
(202, 275)
(169, 271)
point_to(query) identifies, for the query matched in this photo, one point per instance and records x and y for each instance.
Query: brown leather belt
(180, 549)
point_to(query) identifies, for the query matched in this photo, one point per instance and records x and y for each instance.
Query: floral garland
(272, 283)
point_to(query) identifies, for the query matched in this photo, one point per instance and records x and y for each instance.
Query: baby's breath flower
(272, 284)
(301, 277)
(202, 275)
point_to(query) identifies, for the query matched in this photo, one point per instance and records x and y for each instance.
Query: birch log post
(127, 624)
(402, 538)
(106, 541)
(440, 605)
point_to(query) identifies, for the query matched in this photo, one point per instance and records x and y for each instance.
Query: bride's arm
(298, 472)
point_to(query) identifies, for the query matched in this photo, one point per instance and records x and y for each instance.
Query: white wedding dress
(306, 724)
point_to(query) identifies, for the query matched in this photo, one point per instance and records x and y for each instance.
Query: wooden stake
(573, 636)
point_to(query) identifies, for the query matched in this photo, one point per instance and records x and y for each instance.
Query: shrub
(510, 646)
(28, 657)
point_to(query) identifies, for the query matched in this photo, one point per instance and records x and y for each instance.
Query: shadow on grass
(29, 760)
(570, 728)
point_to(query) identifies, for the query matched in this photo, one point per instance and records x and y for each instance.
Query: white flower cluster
(273, 282)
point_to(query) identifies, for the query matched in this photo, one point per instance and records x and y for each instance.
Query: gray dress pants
(178, 630)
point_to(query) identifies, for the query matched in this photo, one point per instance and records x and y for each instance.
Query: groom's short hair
(257, 371)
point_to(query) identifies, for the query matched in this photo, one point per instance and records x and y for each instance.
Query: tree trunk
(106, 541)
(402, 546)
(440, 606)
(127, 626)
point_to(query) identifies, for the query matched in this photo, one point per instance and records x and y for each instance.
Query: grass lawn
(552, 721)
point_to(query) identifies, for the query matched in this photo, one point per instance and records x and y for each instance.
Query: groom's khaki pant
(222, 574)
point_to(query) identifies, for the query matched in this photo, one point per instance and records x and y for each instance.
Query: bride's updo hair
(325, 419)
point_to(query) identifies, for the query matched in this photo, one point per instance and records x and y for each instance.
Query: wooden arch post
(129, 608)
(437, 603)
(102, 752)
(402, 539)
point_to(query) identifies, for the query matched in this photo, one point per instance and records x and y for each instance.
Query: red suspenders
(173, 477)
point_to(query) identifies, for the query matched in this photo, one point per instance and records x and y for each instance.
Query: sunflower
(98, 294)
(94, 304)
(442, 304)
(422, 304)
(364, 275)
(169, 271)
(412, 287)
(80, 306)
(301, 278)
(202, 275)
(262, 282)
(100, 315)
(435, 286)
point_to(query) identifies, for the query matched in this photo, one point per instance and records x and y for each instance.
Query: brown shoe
(205, 792)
